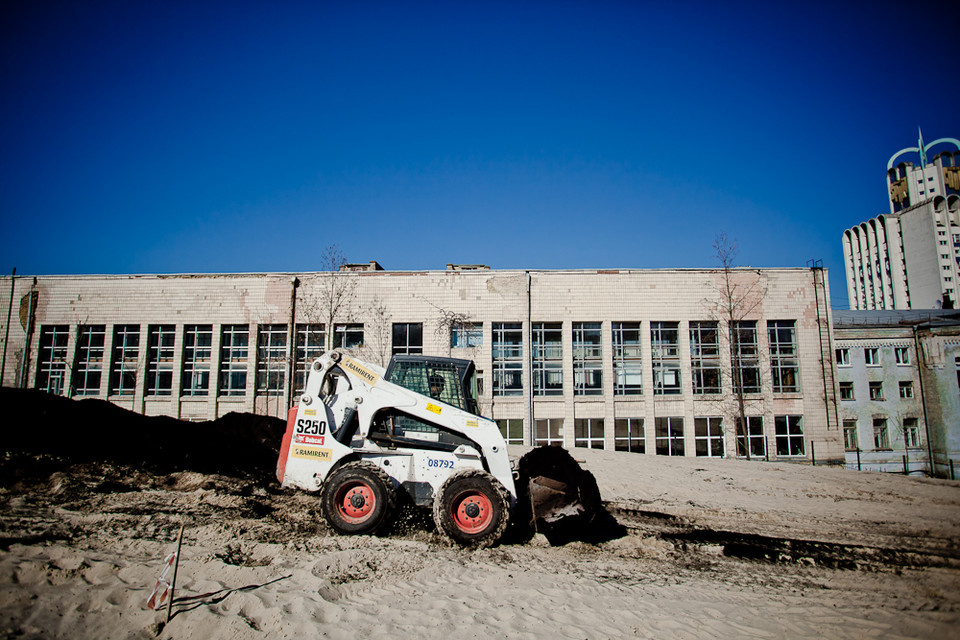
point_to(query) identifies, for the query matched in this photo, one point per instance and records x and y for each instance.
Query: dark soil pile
(48, 428)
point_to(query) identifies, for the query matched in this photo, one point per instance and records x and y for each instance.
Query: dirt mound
(37, 423)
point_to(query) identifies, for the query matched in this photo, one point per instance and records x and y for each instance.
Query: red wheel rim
(472, 512)
(355, 501)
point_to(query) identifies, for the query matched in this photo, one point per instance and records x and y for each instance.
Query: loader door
(448, 380)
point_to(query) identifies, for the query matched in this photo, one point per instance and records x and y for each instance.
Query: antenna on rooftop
(923, 152)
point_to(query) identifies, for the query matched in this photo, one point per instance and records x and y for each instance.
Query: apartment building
(909, 258)
(647, 361)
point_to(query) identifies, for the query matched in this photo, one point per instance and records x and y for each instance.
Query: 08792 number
(439, 464)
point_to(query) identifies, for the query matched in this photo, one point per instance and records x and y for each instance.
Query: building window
(52, 358)
(872, 356)
(902, 355)
(758, 443)
(347, 336)
(88, 363)
(876, 390)
(550, 432)
(627, 364)
(784, 365)
(705, 357)
(665, 352)
(745, 356)
(123, 362)
(850, 442)
(507, 359)
(234, 341)
(789, 430)
(407, 338)
(906, 389)
(843, 357)
(197, 358)
(547, 359)
(588, 432)
(160, 341)
(463, 336)
(708, 437)
(512, 430)
(846, 391)
(587, 359)
(881, 439)
(310, 343)
(271, 359)
(669, 436)
(628, 435)
(911, 433)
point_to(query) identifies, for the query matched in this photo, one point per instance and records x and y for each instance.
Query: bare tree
(331, 298)
(378, 332)
(739, 294)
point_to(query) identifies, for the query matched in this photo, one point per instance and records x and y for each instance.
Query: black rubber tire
(363, 482)
(476, 490)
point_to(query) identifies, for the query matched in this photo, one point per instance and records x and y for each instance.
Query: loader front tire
(472, 508)
(358, 499)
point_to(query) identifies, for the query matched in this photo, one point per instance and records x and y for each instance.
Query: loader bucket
(557, 497)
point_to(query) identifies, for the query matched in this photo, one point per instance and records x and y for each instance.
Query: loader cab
(449, 380)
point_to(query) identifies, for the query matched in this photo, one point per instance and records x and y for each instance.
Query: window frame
(627, 358)
(234, 353)
(629, 435)
(197, 360)
(161, 352)
(406, 338)
(124, 360)
(665, 358)
(547, 349)
(708, 437)
(271, 372)
(511, 429)
(788, 430)
(669, 436)
(705, 370)
(587, 359)
(88, 360)
(588, 433)
(784, 355)
(507, 359)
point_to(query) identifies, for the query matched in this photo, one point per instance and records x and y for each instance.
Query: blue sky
(166, 137)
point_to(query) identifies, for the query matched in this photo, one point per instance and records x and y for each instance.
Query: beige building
(635, 360)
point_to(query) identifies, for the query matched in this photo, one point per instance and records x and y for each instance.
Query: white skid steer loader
(361, 435)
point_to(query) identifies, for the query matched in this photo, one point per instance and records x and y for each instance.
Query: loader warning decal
(312, 453)
(309, 412)
(472, 423)
(351, 365)
(434, 408)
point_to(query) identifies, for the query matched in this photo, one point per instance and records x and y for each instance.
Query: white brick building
(630, 359)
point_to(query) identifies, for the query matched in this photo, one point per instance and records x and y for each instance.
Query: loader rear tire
(358, 499)
(472, 508)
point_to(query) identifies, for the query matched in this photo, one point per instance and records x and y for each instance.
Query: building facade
(633, 360)
(910, 258)
(899, 388)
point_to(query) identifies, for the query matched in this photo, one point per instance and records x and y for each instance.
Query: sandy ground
(692, 548)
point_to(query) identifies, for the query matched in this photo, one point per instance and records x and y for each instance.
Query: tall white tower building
(910, 258)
